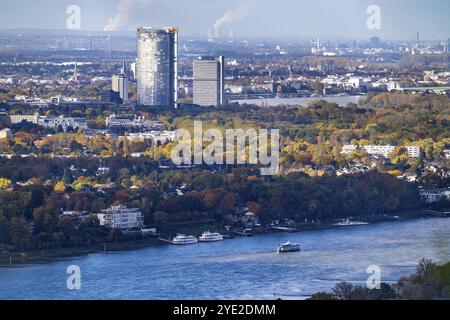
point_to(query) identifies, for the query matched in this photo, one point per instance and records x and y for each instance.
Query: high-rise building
(375, 42)
(209, 81)
(156, 69)
(120, 83)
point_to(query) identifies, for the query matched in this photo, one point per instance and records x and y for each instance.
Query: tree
(343, 291)
(60, 187)
(19, 233)
(424, 268)
(5, 183)
(161, 218)
(4, 230)
(67, 177)
(321, 296)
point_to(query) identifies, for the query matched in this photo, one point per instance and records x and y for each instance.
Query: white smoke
(229, 17)
(123, 12)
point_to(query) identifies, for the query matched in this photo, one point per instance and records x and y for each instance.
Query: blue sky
(400, 19)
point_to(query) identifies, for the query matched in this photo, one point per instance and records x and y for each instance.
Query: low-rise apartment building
(413, 151)
(64, 122)
(121, 217)
(434, 195)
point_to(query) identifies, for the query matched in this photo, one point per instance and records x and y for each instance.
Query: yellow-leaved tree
(5, 183)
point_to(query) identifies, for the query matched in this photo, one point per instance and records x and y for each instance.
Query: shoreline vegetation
(15, 259)
(429, 282)
(54, 202)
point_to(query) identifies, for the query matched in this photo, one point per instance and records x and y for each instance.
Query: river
(241, 268)
(271, 102)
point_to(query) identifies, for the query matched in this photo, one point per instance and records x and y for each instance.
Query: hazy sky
(400, 19)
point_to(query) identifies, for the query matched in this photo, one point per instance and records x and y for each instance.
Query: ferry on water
(350, 223)
(182, 239)
(288, 247)
(210, 237)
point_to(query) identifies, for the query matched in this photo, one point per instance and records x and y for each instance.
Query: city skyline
(250, 18)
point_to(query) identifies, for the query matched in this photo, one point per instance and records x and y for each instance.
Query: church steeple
(123, 70)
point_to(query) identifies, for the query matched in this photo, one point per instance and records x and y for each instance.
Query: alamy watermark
(239, 146)
(73, 22)
(374, 20)
(374, 280)
(74, 277)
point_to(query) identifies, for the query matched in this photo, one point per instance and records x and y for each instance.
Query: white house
(64, 122)
(250, 219)
(5, 133)
(121, 217)
(434, 195)
(18, 118)
(161, 137)
(413, 152)
(132, 121)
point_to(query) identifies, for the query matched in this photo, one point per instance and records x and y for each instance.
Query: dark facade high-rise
(209, 81)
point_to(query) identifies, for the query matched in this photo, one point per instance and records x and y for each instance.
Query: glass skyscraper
(156, 69)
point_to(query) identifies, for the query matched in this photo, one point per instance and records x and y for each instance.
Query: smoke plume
(230, 16)
(123, 12)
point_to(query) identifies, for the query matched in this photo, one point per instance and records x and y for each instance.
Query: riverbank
(42, 256)
(243, 268)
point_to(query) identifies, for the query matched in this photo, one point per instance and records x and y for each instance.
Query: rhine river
(271, 102)
(241, 268)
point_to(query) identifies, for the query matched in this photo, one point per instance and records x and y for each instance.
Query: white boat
(349, 223)
(210, 237)
(182, 239)
(288, 247)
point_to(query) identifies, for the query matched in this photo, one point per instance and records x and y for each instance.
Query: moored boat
(210, 237)
(182, 239)
(349, 223)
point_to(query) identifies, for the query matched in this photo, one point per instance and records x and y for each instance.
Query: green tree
(4, 230)
(67, 177)
(19, 233)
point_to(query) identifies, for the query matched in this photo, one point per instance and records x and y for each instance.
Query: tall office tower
(156, 68)
(209, 81)
(120, 83)
(375, 42)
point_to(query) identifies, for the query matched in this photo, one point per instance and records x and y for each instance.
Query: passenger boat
(182, 239)
(349, 223)
(210, 237)
(288, 247)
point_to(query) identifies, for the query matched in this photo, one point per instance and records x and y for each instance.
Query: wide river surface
(241, 268)
(271, 102)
